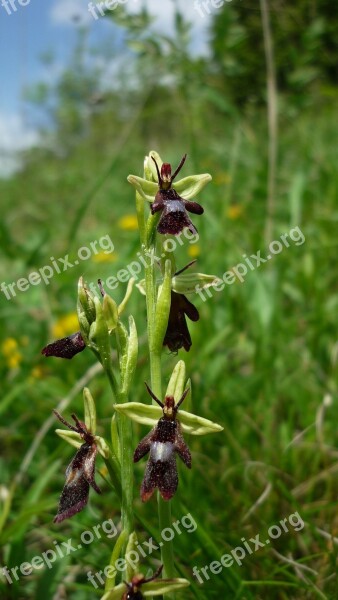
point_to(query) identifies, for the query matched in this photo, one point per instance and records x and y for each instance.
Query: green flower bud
(176, 385)
(89, 411)
(127, 295)
(162, 309)
(110, 312)
(85, 307)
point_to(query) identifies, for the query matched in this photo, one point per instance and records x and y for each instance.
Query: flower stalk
(101, 329)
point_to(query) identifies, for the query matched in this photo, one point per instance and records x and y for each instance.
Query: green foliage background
(264, 352)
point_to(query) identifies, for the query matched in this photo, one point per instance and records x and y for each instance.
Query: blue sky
(46, 25)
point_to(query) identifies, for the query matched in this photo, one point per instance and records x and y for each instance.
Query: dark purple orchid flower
(80, 473)
(66, 347)
(174, 217)
(177, 335)
(163, 442)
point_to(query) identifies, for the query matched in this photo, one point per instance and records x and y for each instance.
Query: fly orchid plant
(161, 205)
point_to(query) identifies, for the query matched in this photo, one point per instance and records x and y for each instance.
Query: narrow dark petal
(194, 207)
(66, 347)
(189, 309)
(179, 167)
(158, 203)
(74, 496)
(177, 335)
(182, 448)
(79, 477)
(144, 446)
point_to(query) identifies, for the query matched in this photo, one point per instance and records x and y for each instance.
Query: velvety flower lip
(177, 335)
(174, 217)
(65, 347)
(80, 473)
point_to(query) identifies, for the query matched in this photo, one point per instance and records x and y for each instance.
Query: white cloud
(14, 136)
(64, 11)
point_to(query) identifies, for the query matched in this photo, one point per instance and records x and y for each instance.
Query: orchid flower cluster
(101, 330)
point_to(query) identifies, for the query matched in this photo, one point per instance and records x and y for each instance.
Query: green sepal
(73, 438)
(190, 186)
(163, 586)
(148, 414)
(153, 588)
(146, 189)
(186, 283)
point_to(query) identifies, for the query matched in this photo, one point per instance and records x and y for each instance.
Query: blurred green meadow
(264, 352)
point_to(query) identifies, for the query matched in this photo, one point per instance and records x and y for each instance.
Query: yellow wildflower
(128, 223)
(37, 373)
(234, 211)
(65, 325)
(14, 360)
(194, 250)
(105, 257)
(8, 346)
(9, 349)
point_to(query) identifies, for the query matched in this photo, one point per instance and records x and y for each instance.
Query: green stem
(167, 550)
(127, 476)
(164, 508)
